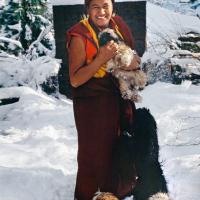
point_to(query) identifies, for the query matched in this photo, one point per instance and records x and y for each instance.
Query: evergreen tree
(32, 28)
(10, 26)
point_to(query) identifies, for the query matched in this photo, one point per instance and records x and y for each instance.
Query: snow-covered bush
(40, 74)
(157, 70)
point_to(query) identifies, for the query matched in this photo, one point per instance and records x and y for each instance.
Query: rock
(50, 86)
(185, 60)
(190, 42)
(8, 101)
(158, 70)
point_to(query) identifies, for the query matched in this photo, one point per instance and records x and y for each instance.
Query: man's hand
(134, 64)
(108, 51)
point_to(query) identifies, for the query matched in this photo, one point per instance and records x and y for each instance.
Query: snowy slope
(38, 142)
(164, 27)
(38, 147)
(181, 6)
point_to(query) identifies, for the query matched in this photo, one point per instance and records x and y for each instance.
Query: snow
(178, 124)
(180, 6)
(38, 146)
(2, 2)
(198, 11)
(38, 139)
(21, 71)
(163, 26)
(184, 1)
(38, 142)
(11, 41)
(28, 35)
(176, 109)
(171, 23)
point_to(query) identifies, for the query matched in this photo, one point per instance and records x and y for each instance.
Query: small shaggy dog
(141, 148)
(129, 81)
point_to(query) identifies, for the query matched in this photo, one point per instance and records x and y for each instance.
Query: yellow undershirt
(102, 70)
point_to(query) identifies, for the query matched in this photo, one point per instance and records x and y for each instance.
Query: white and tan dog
(129, 81)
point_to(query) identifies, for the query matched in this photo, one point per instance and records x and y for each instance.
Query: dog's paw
(159, 196)
(126, 95)
(136, 98)
(104, 196)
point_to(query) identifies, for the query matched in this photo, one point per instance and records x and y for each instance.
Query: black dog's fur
(140, 148)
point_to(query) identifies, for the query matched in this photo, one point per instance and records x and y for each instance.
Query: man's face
(100, 12)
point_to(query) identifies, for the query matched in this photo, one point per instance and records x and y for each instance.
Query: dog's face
(125, 53)
(106, 36)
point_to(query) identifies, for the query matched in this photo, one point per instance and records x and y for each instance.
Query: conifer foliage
(10, 27)
(24, 30)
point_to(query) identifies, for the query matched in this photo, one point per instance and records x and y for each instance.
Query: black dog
(140, 148)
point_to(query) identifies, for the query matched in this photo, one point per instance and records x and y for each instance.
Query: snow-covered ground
(38, 147)
(38, 142)
(176, 109)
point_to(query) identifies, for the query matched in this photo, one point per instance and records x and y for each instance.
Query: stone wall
(134, 13)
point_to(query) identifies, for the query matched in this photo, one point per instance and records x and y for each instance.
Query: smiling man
(96, 99)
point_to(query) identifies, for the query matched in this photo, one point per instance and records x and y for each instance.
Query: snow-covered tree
(10, 27)
(31, 29)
